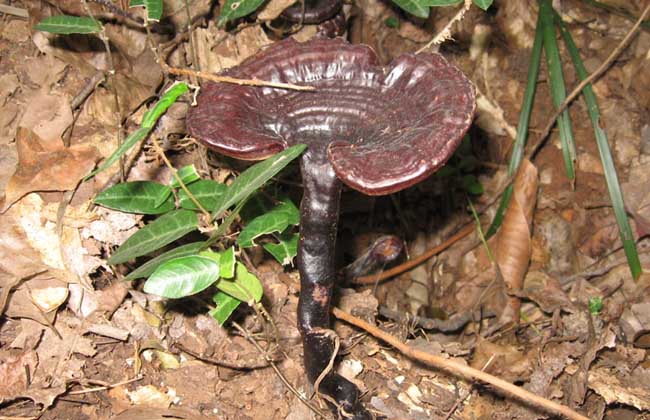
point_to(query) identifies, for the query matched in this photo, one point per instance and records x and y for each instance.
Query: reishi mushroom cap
(315, 11)
(384, 128)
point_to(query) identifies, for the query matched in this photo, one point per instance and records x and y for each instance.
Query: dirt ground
(79, 342)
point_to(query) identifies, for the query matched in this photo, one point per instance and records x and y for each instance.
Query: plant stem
(319, 212)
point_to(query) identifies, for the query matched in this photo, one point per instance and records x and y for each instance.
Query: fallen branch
(460, 369)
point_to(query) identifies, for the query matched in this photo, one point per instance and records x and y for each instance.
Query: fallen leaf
(512, 245)
(273, 9)
(47, 166)
(47, 116)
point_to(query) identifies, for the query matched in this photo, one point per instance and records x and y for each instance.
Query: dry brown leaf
(512, 245)
(47, 116)
(617, 391)
(507, 362)
(47, 166)
(13, 373)
(217, 50)
(546, 292)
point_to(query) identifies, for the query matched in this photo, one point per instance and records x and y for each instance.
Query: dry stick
(459, 400)
(284, 380)
(592, 77)
(103, 388)
(371, 279)
(461, 369)
(226, 79)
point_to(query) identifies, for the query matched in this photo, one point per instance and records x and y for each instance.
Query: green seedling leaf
(483, 4)
(472, 185)
(284, 251)
(415, 7)
(255, 176)
(228, 263)
(244, 286)
(144, 197)
(65, 25)
(146, 269)
(187, 174)
(595, 305)
(392, 22)
(182, 277)
(150, 117)
(209, 193)
(276, 220)
(226, 305)
(162, 231)
(154, 8)
(234, 9)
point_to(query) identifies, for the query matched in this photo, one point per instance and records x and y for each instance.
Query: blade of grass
(522, 127)
(558, 89)
(611, 178)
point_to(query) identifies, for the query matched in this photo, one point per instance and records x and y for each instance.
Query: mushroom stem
(319, 212)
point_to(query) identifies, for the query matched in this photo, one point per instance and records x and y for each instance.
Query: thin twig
(592, 78)
(460, 369)
(284, 380)
(178, 179)
(459, 400)
(445, 34)
(329, 368)
(103, 388)
(226, 79)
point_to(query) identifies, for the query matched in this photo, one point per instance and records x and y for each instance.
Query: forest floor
(79, 342)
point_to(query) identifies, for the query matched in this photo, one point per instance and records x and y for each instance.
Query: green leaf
(392, 22)
(244, 286)
(558, 87)
(144, 197)
(130, 141)
(226, 305)
(441, 3)
(285, 250)
(595, 305)
(228, 263)
(483, 4)
(255, 176)
(182, 277)
(65, 25)
(611, 177)
(187, 174)
(234, 9)
(150, 117)
(522, 127)
(154, 8)
(276, 220)
(150, 266)
(414, 7)
(148, 121)
(208, 192)
(472, 185)
(162, 231)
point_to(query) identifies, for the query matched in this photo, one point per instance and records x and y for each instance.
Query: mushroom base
(319, 212)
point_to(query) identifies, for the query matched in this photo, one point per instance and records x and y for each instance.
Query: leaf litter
(70, 324)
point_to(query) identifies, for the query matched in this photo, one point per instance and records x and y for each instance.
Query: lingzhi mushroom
(377, 129)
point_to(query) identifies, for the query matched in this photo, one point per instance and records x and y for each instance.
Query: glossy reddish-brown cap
(315, 11)
(384, 128)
